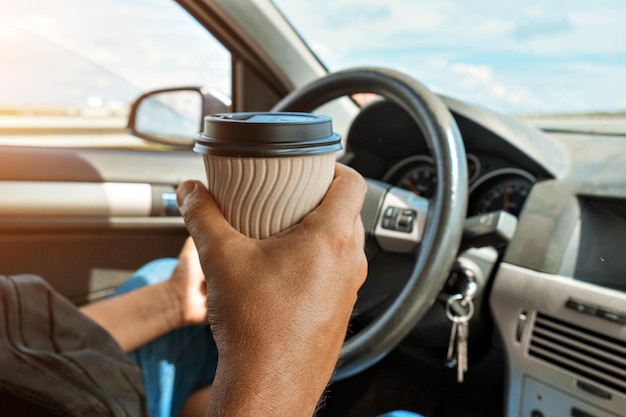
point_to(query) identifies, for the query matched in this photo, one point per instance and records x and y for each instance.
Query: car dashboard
(501, 172)
(558, 295)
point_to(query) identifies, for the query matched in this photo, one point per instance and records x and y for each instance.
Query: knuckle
(190, 207)
(356, 181)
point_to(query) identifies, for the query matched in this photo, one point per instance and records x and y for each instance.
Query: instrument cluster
(493, 183)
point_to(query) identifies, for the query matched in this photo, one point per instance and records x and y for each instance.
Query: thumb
(204, 220)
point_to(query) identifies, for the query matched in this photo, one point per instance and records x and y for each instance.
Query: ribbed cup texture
(263, 196)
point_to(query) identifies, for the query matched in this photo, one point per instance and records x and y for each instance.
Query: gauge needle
(412, 187)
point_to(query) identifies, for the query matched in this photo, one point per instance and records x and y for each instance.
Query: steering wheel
(444, 214)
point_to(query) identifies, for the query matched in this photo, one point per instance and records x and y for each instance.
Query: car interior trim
(73, 223)
(76, 199)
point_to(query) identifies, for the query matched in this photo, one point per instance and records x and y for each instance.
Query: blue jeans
(182, 361)
(177, 363)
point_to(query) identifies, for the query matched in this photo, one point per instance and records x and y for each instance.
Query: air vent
(592, 355)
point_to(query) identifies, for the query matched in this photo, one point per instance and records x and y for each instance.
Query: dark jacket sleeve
(55, 361)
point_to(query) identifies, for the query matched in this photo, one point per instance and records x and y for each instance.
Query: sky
(514, 57)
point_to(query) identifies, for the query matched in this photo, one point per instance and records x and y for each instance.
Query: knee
(151, 273)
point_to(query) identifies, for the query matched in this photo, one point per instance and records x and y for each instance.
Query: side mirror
(174, 116)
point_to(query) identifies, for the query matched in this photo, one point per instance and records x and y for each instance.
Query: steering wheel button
(390, 218)
(391, 212)
(389, 223)
(405, 221)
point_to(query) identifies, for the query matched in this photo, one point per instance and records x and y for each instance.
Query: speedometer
(505, 191)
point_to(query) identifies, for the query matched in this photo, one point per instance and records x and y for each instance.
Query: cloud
(477, 83)
(358, 13)
(541, 28)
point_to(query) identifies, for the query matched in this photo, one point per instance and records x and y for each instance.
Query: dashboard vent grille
(592, 355)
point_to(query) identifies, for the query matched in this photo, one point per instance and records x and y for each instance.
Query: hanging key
(450, 356)
(459, 310)
(461, 349)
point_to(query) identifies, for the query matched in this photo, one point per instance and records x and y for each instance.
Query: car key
(450, 357)
(457, 346)
(461, 350)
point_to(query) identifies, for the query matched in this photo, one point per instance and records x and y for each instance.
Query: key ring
(459, 318)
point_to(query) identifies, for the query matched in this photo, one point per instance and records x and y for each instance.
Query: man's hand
(279, 307)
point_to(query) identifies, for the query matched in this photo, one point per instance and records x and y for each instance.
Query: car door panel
(84, 219)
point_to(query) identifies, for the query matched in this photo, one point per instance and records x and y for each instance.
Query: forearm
(137, 317)
(264, 378)
(266, 391)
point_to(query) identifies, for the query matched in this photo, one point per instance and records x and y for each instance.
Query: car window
(71, 66)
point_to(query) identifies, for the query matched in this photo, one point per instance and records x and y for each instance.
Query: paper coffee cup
(267, 170)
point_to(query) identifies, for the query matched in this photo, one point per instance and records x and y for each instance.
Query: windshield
(560, 56)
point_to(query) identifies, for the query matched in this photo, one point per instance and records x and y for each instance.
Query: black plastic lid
(267, 134)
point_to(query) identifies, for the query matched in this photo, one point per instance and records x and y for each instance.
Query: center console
(564, 331)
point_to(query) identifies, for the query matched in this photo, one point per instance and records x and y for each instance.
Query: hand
(187, 284)
(279, 307)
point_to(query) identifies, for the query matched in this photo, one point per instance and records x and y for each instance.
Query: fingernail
(183, 191)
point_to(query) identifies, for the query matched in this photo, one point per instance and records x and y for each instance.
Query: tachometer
(503, 190)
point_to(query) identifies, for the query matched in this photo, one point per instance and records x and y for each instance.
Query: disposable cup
(267, 170)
